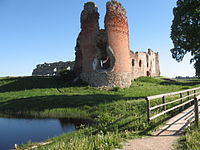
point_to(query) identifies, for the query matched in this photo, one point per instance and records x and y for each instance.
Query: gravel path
(165, 137)
(152, 143)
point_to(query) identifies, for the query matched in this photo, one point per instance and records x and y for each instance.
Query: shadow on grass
(88, 102)
(130, 121)
(41, 103)
(33, 82)
(152, 126)
(180, 82)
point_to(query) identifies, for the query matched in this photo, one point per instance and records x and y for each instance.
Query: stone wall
(108, 79)
(103, 55)
(88, 35)
(52, 69)
(145, 64)
(116, 26)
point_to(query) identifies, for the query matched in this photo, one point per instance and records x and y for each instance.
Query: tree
(185, 32)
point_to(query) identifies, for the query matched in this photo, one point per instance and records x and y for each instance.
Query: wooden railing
(196, 110)
(176, 99)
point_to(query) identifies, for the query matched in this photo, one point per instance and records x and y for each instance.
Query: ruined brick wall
(103, 56)
(157, 64)
(116, 25)
(88, 35)
(86, 41)
(145, 64)
(52, 69)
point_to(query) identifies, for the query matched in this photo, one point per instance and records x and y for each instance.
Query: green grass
(116, 114)
(191, 139)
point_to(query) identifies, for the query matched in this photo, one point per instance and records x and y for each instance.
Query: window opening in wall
(101, 63)
(105, 63)
(133, 62)
(147, 65)
(148, 73)
(140, 63)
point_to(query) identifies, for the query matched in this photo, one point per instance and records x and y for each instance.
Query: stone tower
(103, 56)
(86, 42)
(116, 25)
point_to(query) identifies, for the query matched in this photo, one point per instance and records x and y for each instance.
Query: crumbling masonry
(103, 56)
(52, 69)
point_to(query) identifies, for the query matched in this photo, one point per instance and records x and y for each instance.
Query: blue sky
(38, 31)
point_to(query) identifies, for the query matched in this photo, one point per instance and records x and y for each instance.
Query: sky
(36, 31)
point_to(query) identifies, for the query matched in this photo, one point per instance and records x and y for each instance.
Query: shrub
(67, 75)
(116, 89)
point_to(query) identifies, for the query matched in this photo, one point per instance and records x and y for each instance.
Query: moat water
(20, 131)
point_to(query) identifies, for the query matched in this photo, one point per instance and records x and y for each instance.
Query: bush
(67, 75)
(116, 89)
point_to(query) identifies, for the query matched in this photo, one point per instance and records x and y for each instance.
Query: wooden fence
(196, 109)
(172, 101)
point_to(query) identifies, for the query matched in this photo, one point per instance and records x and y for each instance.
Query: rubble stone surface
(52, 69)
(103, 56)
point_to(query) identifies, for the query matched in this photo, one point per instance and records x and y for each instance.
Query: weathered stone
(116, 25)
(52, 69)
(105, 79)
(145, 64)
(89, 32)
(103, 57)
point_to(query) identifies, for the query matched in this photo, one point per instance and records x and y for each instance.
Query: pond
(20, 131)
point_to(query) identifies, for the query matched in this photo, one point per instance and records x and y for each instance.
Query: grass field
(116, 114)
(191, 140)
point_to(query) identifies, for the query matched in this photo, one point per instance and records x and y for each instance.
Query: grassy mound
(116, 114)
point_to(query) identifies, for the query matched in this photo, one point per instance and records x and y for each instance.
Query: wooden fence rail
(196, 110)
(182, 98)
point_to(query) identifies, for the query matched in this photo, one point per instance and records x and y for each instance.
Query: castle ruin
(103, 56)
(52, 69)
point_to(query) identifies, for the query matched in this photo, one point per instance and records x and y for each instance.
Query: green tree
(185, 32)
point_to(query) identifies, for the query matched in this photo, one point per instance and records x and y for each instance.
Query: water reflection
(19, 131)
(67, 126)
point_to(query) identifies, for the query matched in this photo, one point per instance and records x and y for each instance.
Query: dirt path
(152, 143)
(166, 136)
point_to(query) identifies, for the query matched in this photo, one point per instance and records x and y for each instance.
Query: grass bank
(116, 114)
(191, 139)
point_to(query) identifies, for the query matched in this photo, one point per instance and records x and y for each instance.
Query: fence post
(194, 95)
(196, 110)
(188, 93)
(163, 101)
(181, 96)
(148, 110)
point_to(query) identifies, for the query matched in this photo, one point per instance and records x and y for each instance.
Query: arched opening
(105, 62)
(133, 62)
(140, 63)
(148, 74)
